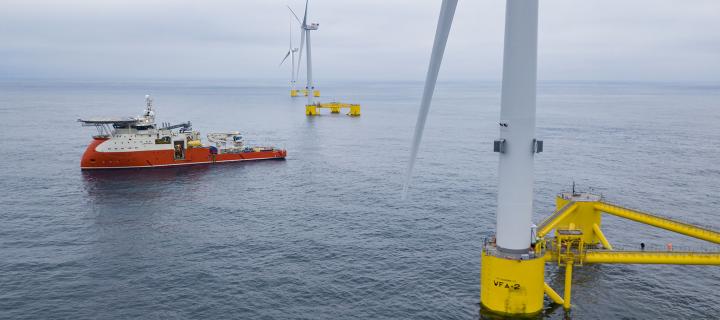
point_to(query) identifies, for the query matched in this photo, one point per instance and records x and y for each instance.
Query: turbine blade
(302, 44)
(304, 22)
(293, 13)
(447, 12)
(283, 60)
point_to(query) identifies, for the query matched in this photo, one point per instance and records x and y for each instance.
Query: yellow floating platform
(572, 237)
(335, 107)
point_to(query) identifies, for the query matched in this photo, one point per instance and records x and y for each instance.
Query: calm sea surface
(323, 234)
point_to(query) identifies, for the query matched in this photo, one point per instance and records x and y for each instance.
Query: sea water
(324, 234)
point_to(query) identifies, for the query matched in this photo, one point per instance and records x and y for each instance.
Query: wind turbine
(512, 277)
(305, 29)
(291, 51)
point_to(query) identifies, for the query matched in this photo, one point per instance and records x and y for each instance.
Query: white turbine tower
(291, 52)
(305, 29)
(511, 276)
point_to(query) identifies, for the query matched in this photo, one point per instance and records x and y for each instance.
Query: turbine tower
(512, 277)
(305, 29)
(291, 52)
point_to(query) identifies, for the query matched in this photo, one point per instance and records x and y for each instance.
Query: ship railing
(104, 130)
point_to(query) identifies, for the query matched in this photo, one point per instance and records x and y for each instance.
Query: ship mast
(149, 114)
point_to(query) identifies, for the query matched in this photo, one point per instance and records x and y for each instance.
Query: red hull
(147, 159)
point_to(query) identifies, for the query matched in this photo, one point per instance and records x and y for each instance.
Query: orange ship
(139, 143)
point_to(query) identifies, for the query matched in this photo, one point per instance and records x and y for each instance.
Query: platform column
(354, 110)
(511, 286)
(311, 110)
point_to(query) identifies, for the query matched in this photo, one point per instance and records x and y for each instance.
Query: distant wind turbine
(291, 52)
(305, 29)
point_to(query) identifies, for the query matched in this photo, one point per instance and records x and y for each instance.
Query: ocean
(324, 234)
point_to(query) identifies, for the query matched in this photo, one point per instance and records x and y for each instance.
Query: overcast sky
(664, 40)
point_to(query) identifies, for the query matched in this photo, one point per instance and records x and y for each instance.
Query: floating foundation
(514, 283)
(316, 93)
(294, 93)
(509, 282)
(335, 107)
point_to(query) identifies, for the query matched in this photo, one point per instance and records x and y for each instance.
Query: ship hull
(95, 160)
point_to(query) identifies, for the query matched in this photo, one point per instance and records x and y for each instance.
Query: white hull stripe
(179, 164)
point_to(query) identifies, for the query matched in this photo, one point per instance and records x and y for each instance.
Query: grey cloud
(358, 39)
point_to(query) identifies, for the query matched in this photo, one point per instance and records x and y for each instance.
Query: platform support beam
(554, 296)
(653, 257)
(568, 284)
(600, 235)
(551, 222)
(663, 223)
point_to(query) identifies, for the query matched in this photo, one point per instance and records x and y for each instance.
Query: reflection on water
(142, 184)
(141, 176)
(550, 309)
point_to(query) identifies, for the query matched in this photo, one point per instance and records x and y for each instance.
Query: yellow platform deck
(335, 107)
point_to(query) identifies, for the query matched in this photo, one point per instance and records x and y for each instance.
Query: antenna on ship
(149, 113)
(573, 188)
(148, 102)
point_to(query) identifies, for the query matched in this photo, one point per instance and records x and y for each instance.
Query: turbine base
(511, 285)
